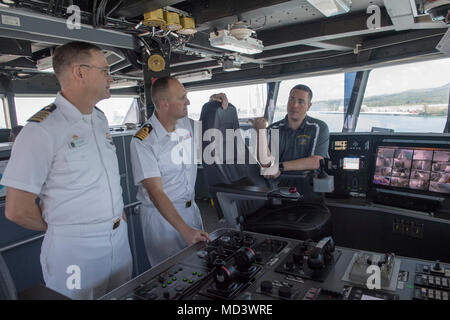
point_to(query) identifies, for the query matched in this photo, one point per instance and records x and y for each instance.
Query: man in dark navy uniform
(303, 142)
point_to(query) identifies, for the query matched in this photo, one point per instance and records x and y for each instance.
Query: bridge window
(115, 108)
(407, 98)
(28, 106)
(249, 100)
(119, 110)
(2, 114)
(327, 101)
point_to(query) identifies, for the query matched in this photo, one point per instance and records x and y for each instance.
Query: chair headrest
(214, 116)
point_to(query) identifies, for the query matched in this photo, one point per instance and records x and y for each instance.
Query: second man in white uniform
(164, 168)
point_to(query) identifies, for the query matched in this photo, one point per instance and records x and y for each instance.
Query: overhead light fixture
(195, 76)
(45, 64)
(223, 39)
(123, 83)
(331, 7)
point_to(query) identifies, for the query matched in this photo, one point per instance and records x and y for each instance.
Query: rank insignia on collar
(144, 132)
(43, 113)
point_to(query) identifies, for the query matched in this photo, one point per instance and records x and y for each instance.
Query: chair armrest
(301, 174)
(255, 193)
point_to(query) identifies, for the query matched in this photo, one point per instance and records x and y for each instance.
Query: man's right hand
(258, 123)
(192, 236)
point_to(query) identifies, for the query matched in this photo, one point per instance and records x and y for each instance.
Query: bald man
(165, 170)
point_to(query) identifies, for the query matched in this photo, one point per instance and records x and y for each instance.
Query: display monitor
(413, 168)
(351, 163)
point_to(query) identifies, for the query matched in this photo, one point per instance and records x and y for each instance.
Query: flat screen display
(351, 163)
(426, 169)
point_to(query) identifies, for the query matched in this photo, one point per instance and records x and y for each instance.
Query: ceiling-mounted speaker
(154, 18)
(188, 26)
(172, 21)
(156, 63)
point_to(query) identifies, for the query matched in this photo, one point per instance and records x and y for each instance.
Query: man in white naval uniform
(65, 155)
(165, 169)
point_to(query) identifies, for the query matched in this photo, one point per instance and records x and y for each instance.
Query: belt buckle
(188, 203)
(116, 223)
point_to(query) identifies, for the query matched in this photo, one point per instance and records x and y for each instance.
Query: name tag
(77, 142)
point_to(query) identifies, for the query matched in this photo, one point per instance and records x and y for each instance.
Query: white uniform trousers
(99, 254)
(160, 238)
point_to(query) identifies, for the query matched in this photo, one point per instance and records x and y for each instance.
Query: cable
(114, 8)
(94, 14)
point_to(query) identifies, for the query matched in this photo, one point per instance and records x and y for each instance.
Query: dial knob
(266, 286)
(285, 292)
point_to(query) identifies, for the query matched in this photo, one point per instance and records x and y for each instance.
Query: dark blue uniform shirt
(311, 138)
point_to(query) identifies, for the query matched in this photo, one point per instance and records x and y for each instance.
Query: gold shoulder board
(43, 113)
(144, 132)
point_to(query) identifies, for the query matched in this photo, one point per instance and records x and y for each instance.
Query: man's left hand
(220, 97)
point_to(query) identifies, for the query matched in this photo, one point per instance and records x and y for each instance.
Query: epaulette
(144, 132)
(43, 113)
(99, 109)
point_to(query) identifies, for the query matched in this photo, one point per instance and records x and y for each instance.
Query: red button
(292, 189)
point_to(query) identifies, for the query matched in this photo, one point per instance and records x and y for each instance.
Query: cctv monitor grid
(413, 168)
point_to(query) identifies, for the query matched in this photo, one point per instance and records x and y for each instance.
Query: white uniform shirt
(71, 163)
(169, 155)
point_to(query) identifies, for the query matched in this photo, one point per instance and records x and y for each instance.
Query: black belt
(116, 223)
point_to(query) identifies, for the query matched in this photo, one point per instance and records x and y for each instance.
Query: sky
(386, 80)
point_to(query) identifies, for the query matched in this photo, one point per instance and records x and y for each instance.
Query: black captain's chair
(246, 198)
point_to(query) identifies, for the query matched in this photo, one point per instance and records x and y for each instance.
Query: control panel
(239, 265)
(350, 160)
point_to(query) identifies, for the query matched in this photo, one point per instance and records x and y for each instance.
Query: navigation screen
(425, 169)
(351, 164)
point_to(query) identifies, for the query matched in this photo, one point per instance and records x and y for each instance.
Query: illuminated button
(200, 274)
(174, 279)
(164, 285)
(310, 296)
(169, 282)
(184, 279)
(194, 273)
(190, 281)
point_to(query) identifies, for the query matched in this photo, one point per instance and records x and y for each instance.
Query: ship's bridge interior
(214, 45)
